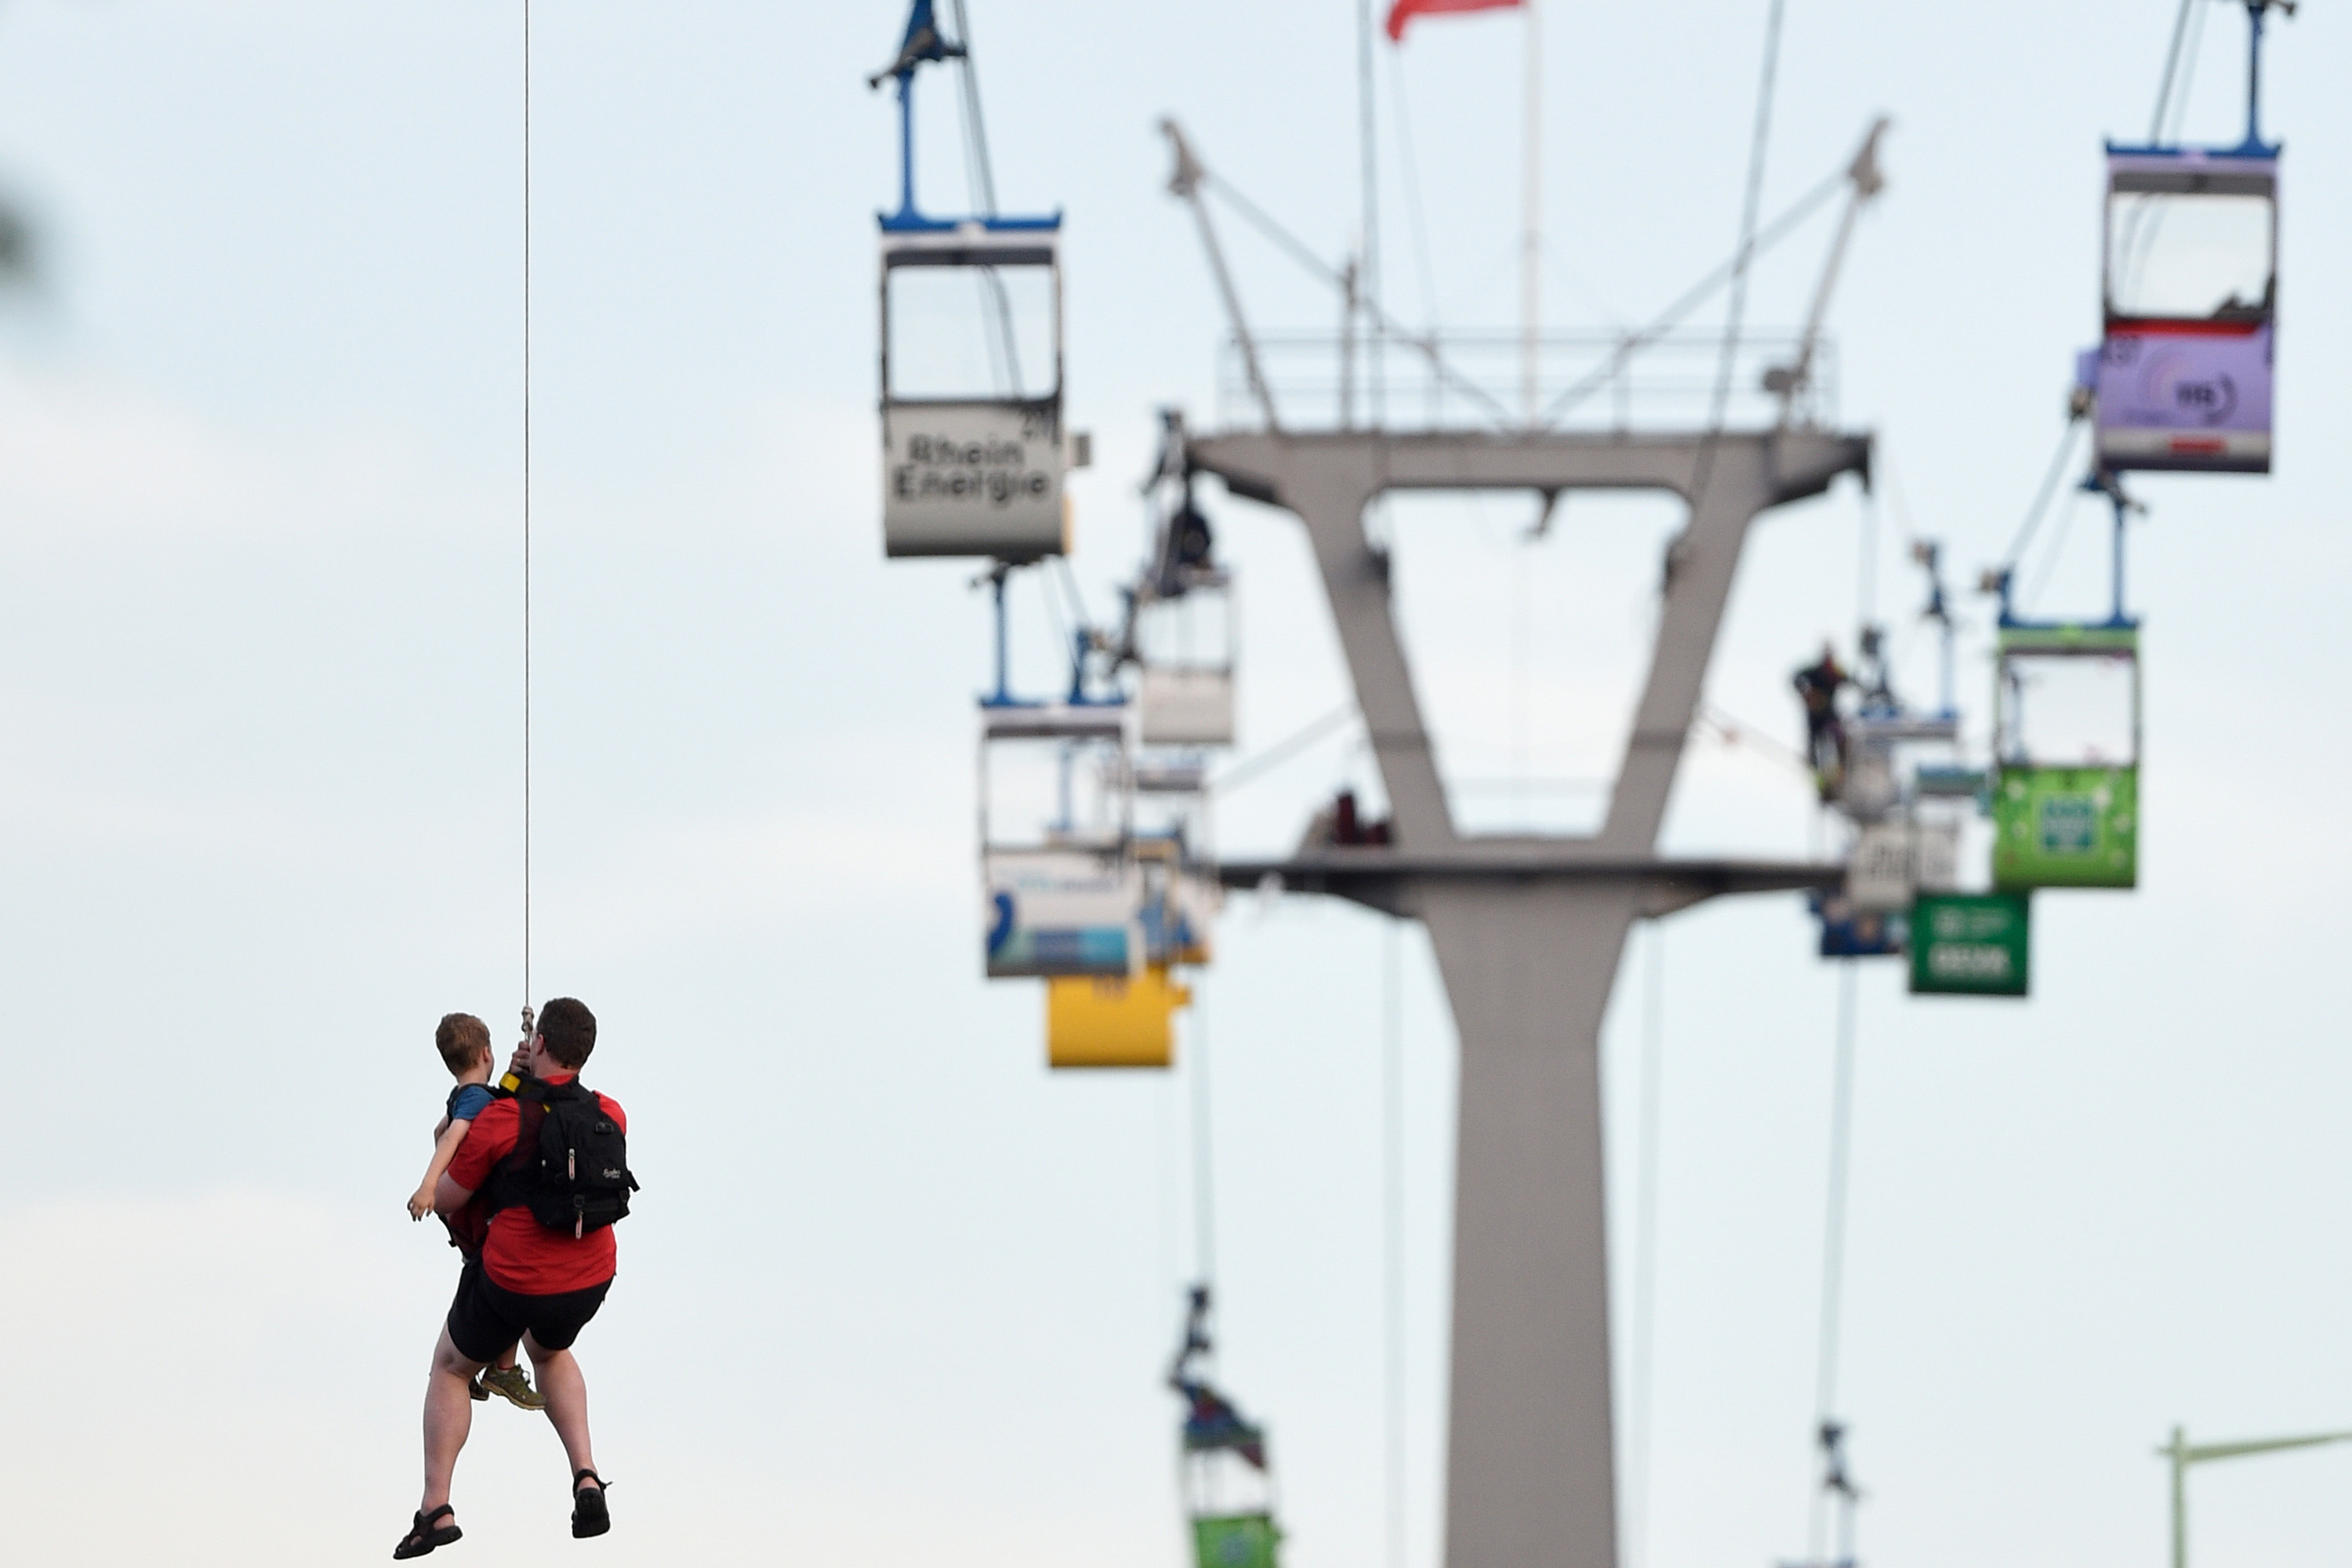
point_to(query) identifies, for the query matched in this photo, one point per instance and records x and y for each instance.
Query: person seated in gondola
(1818, 686)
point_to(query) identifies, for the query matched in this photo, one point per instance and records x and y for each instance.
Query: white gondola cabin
(973, 451)
(972, 444)
(1061, 894)
(1184, 650)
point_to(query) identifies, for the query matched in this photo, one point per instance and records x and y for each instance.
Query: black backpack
(571, 1162)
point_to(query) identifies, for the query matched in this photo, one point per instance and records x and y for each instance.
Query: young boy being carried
(464, 1042)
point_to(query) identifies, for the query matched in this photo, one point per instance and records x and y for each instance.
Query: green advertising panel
(1236, 1540)
(1972, 944)
(2065, 828)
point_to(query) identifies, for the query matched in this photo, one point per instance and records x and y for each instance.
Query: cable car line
(1744, 255)
(1258, 763)
(976, 160)
(1829, 1432)
(1413, 200)
(1192, 177)
(2050, 557)
(2142, 229)
(1696, 295)
(981, 175)
(2033, 515)
(2171, 68)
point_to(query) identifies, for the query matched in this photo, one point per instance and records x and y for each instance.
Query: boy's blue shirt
(468, 1100)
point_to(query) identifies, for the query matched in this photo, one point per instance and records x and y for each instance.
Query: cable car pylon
(1527, 930)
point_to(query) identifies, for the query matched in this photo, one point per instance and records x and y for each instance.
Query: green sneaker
(512, 1385)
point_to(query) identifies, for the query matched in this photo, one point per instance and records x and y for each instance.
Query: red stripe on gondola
(2199, 446)
(2136, 327)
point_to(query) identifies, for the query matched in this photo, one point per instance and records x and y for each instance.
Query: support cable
(2141, 226)
(1692, 298)
(1192, 176)
(1070, 586)
(981, 174)
(1833, 1240)
(1393, 1228)
(2171, 71)
(976, 157)
(2187, 74)
(1866, 586)
(1052, 603)
(1204, 1185)
(1282, 750)
(2016, 553)
(1759, 143)
(2049, 560)
(1413, 210)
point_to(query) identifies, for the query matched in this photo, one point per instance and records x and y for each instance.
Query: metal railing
(1584, 381)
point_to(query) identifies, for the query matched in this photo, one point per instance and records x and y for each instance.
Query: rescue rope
(526, 521)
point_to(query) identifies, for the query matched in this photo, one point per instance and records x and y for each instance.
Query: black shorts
(487, 1317)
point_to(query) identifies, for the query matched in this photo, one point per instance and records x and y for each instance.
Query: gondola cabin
(1849, 933)
(2184, 372)
(1184, 648)
(2065, 788)
(1061, 893)
(1181, 899)
(973, 451)
(1896, 859)
(1228, 1487)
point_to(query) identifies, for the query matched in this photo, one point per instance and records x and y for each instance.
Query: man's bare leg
(566, 1393)
(448, 1417)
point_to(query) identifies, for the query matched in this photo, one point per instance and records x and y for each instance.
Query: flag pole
(1531, 227)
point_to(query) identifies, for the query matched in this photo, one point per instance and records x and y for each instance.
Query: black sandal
(422, 1537)
(588, 1515)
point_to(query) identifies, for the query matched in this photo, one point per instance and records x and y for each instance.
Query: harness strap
(531, 1111)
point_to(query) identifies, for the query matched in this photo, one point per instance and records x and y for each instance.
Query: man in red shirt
(531, 1282)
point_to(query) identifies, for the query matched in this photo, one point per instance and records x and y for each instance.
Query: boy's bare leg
(565, 1390)
(448, 1417)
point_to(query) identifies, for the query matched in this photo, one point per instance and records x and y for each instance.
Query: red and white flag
(1404, 11)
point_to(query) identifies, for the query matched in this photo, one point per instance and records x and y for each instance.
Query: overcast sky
(892, 1296)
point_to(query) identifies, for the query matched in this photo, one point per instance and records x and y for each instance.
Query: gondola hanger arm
(1865, 181)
